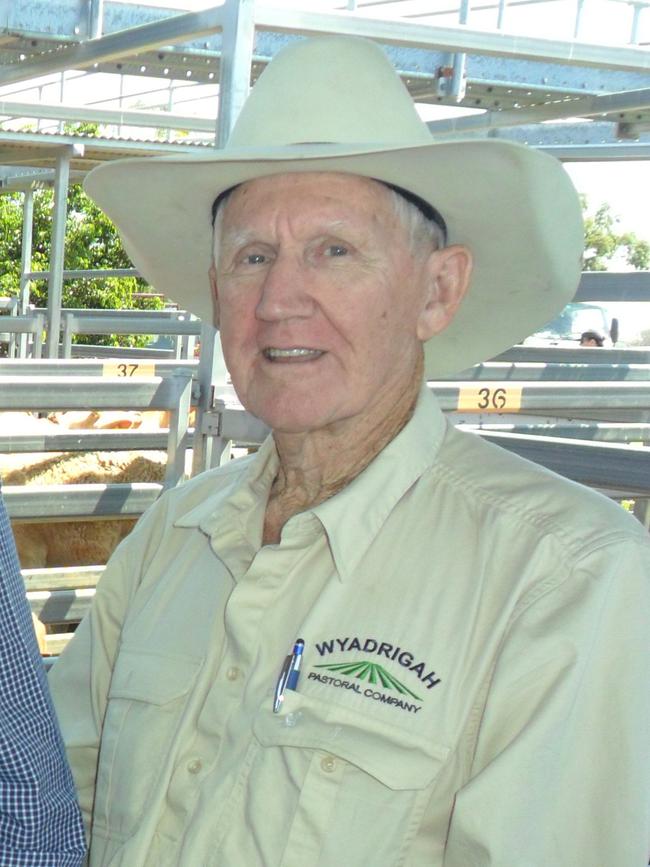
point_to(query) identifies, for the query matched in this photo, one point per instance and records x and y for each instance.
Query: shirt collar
(246, 494)
(353, 518)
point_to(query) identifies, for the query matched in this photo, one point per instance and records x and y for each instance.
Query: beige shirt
(474, 689)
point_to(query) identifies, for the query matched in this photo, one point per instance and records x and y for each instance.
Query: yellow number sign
(128, 369)
(489, 398)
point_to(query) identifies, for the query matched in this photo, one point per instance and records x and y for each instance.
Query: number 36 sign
(489, 398)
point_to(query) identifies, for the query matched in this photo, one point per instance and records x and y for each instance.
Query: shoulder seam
(522, 515)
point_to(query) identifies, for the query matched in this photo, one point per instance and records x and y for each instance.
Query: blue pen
(289, 674)
(294, 669)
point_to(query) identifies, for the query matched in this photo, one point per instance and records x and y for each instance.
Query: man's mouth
(296, 353)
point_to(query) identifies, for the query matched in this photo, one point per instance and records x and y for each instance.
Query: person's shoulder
(184, 504)
(211, 484)
(527, 495)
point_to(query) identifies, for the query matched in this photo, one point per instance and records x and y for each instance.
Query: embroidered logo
(372, 672)
(372, 680)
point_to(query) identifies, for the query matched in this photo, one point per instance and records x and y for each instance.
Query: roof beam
(129, 146)
(27, 156)
(454, 39)
(131, 41)
(119, 117)
(582, 106)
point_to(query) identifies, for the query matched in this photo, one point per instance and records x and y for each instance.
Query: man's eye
(336, 250)
(254, 259)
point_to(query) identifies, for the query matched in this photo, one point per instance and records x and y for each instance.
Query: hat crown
(329, 90)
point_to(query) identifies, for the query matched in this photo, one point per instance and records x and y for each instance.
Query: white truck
(576, 318)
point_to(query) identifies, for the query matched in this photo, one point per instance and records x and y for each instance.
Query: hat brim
(514, 207)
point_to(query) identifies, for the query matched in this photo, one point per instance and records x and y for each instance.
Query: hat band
(425, 208)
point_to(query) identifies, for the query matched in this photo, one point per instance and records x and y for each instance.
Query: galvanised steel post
(55, 279)
(238, 38)
(25, 264)
(458, 79)
(212, 373)
(95, 18)
(578, 19)
(501, 14)
(636, 17)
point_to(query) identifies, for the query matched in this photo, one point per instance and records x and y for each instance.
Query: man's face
(321, 302)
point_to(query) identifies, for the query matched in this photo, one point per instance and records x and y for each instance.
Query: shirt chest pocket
(341, 773)
(147, 696)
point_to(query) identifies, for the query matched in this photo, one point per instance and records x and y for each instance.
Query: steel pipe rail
(566, 397)
(552, 372)
(79, 392)
(181, 324)
(92, 350)
(23, 324)
(33, 324)
(91, 367)
(611, 432)
(87, 274)
(60, 606)
(86, 441)
(79, 502)
(99, 313)
(579, 355)
(61, 596)
(123, 325)
(63, 578)
(608, 466)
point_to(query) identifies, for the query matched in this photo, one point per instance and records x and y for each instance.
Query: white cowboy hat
(335, 104)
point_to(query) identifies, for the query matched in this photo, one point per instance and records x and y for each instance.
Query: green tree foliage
(11, 221)
(91, 242)
(603, 241)
(643, 338)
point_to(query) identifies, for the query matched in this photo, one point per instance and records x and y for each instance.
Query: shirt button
(194, 766)
(233, 673)
(328, 764)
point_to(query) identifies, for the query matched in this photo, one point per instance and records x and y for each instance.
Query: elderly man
(40, 825)
(378, 641)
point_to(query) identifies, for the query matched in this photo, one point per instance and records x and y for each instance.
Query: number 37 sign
(489, 398)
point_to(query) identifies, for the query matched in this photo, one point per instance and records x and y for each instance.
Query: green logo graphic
(373, 673)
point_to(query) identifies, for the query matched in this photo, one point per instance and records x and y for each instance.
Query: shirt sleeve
(79, 682)
(561, 771)
(40, 823)
(80, 679)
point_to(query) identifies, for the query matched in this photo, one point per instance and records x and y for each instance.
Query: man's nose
(285, 292)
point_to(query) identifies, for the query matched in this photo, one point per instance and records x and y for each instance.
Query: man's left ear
(448, 272)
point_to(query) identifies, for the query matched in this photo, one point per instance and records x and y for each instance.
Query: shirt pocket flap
(152, 677)
(396, 757)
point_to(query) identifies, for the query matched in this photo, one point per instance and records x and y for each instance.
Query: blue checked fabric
(40, 822)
